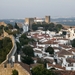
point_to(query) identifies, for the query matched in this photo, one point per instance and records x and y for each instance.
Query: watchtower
(29, 21)
(47, 19)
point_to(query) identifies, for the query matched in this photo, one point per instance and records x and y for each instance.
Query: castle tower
(47, 19)
(29, 21)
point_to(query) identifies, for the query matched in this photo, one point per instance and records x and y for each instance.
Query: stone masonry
(8, 69)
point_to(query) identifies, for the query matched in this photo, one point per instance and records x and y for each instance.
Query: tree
(42, 61)
(27, 59)
(64, 33)
(15, 32)
(14, 72)
(18, 47)
(24, 36)
(6, 28)
(50, 50)
(5, 47)
(59, 26)
(51, 27)
(5, 40)
(10, 26)
(23, 39)
(15, 26)
(28, 51)
(1, 30)
(40, 70)
(1, 44)
(73, 43)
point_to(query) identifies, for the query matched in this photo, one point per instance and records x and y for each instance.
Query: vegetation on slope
(73, 43)
(10, 32)
(40, 70)
(5, 47)
(24, 40)
(1, 30)
(28, 54)
(51, 27)
(9, 29)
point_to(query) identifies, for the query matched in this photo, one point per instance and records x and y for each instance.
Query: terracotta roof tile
(49, 60)
(65, 72)
(70, 60)
(37, 51)
(34, 65)
(72, 50)
(64, 46)
(25, 66)
(56, 66)
(62, 39)
(64, 52)
(55, 48)
(50, 42)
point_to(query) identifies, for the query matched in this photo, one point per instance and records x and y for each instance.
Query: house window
(74, 30)
(71, 68)
(68, 35)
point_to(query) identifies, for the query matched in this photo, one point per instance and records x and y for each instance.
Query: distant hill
(65, 21)
(12, 21)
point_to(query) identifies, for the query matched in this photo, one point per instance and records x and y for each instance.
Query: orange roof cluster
(37, 35)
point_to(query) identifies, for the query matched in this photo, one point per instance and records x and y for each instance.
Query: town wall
(8, 70)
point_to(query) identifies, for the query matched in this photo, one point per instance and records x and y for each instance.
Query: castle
(30, 21)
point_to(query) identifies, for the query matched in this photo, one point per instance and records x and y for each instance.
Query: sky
(12, 9)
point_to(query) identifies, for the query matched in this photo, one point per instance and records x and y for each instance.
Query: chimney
(13, 58)
(19, 58)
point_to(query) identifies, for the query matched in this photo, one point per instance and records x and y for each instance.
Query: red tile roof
(64, 46)
(64, 72)
(25, 66)
(34, 65)
(37, 35)
(56, 66)
(50, 42)
(72, 50)
(37, 51)
(70, 60)
(64, 52)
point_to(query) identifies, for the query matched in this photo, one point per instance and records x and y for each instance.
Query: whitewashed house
(25, 27)
(70, 64)
(70, 33)
(65, 54)
(38, 53)
(56, 49)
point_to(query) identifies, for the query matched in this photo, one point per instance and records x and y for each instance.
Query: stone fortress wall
(13, 50)
(8, 69)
